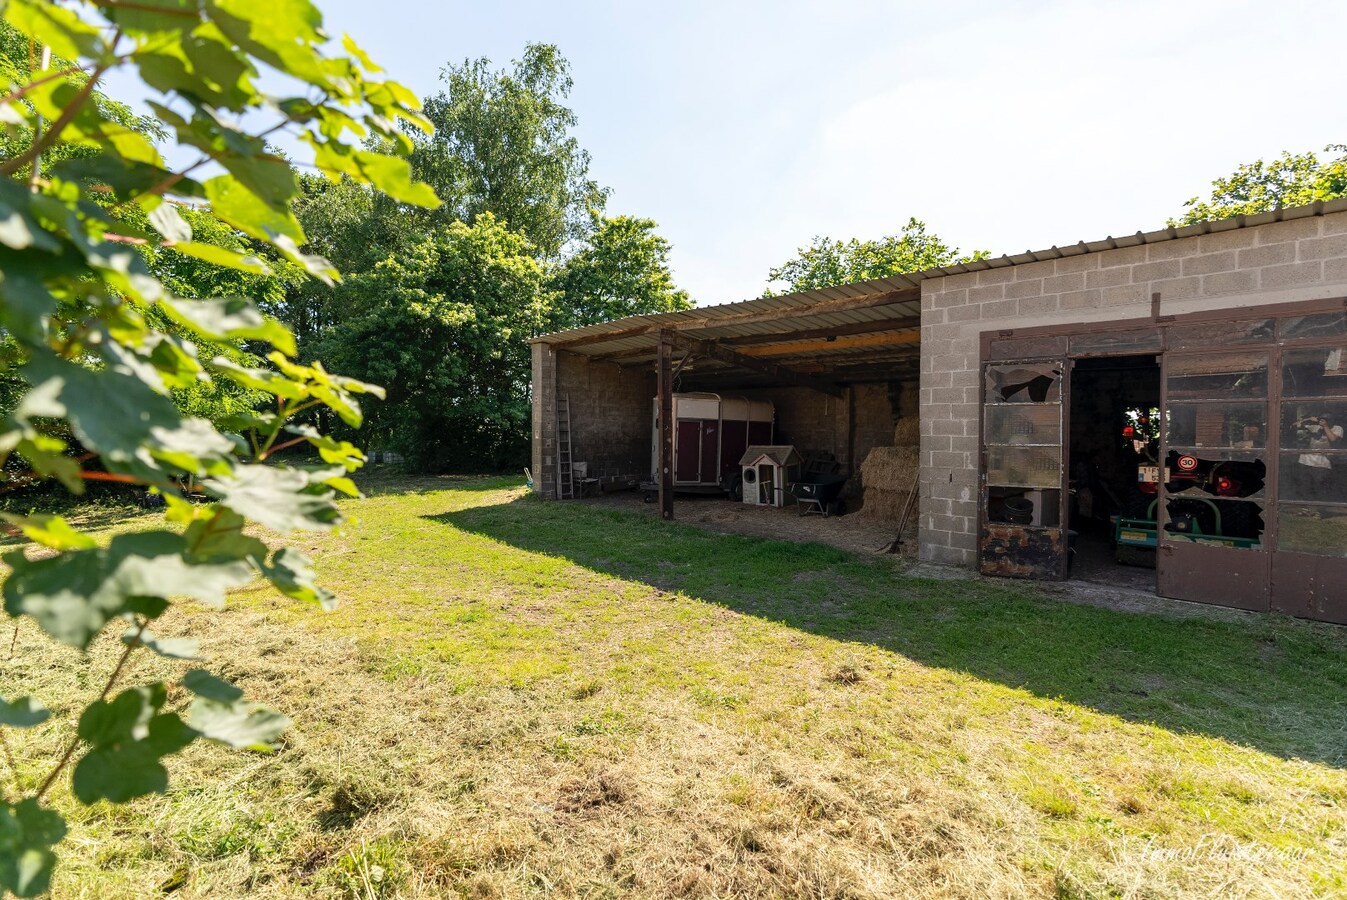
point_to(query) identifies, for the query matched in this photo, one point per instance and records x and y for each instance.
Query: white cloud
(1042, 124)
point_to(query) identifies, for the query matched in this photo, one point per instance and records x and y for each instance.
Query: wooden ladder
(565, 475)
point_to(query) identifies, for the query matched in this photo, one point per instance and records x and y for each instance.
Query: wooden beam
(855, 342)
(906, 325)
(804, 334)
(664, 388)
(712, 350)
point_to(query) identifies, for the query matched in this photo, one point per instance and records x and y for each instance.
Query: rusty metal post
(664, 388)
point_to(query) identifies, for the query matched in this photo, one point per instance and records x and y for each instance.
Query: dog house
(766, 471)
(710, 435)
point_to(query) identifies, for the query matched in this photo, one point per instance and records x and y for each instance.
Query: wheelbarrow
(819, 494)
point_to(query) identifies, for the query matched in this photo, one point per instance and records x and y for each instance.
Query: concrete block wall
(611, 411)
(1280, 262)
(812, 420)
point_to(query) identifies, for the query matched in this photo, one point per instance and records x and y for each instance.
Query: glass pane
(1314, 425)
(1205, 425)
(1030, 383)
(1217, 376)
(1321, 325)
(1147, 339)
(1227, 523)
(1024, 466)
(1024, 423)
(1230, 474)
(1321, 530)
(1220, 334)
(1315, 373)
(1313, 475)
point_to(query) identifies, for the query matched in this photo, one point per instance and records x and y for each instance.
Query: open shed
(1165, 410)
(840, 367)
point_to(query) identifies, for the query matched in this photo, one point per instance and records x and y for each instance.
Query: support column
(664, 389)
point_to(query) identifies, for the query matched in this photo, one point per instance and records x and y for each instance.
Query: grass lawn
(519, 698)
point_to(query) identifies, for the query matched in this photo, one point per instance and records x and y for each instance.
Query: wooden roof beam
(713, 350)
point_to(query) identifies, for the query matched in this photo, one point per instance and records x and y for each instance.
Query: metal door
(1215, 478)
(1023, 510)
(1309, 564)
(688, 452)
(710, 449)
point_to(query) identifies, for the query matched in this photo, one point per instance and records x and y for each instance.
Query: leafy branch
(104, 348)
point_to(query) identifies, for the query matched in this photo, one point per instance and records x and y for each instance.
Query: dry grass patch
(527, 699)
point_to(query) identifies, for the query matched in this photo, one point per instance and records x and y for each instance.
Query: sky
(746, 128)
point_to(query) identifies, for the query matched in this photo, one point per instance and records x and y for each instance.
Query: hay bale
(887, 476)
(886, 505)
(907, 433)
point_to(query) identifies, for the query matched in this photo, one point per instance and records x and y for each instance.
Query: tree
(622, 269)
(80, 309)
(826, 262)
(445, 327)
(1288, 180)
(503, 144)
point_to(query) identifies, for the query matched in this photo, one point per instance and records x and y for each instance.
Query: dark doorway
(1114, 466)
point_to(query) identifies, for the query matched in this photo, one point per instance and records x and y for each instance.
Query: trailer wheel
(736, 490)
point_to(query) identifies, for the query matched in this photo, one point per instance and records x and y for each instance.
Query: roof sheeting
(869, 330)
(807, 310)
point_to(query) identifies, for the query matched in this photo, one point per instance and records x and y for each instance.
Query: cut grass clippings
(519, 698)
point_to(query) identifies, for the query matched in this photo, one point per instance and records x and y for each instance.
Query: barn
(1169, 404)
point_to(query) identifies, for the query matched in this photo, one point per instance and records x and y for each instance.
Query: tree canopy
(827, 262)
(442, 303)
(503, 144)
(445, 327)
(622, 269)
(1259, 186)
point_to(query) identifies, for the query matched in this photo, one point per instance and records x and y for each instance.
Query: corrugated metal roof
(894, 298)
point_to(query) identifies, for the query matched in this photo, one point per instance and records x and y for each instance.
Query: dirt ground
(853, 531)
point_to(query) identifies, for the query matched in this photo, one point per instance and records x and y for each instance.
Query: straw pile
(887, 475)
(907, 433)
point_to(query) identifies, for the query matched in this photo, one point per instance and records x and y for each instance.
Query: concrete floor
(1093, 562)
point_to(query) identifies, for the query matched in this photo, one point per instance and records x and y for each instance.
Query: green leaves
(827, 262)
(291, 572)
(23, 712)
(248, 212)
(27, 834)
(119, 414)
(220, 714)
(50, 531)
(96, 266)
(233, 318)
(281, 499)
(73, 595)
(127, 737)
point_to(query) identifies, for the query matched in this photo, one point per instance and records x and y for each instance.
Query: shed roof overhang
(829, 336)
(867, 331)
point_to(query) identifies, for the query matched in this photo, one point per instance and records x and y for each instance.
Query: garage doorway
(1113, 455)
